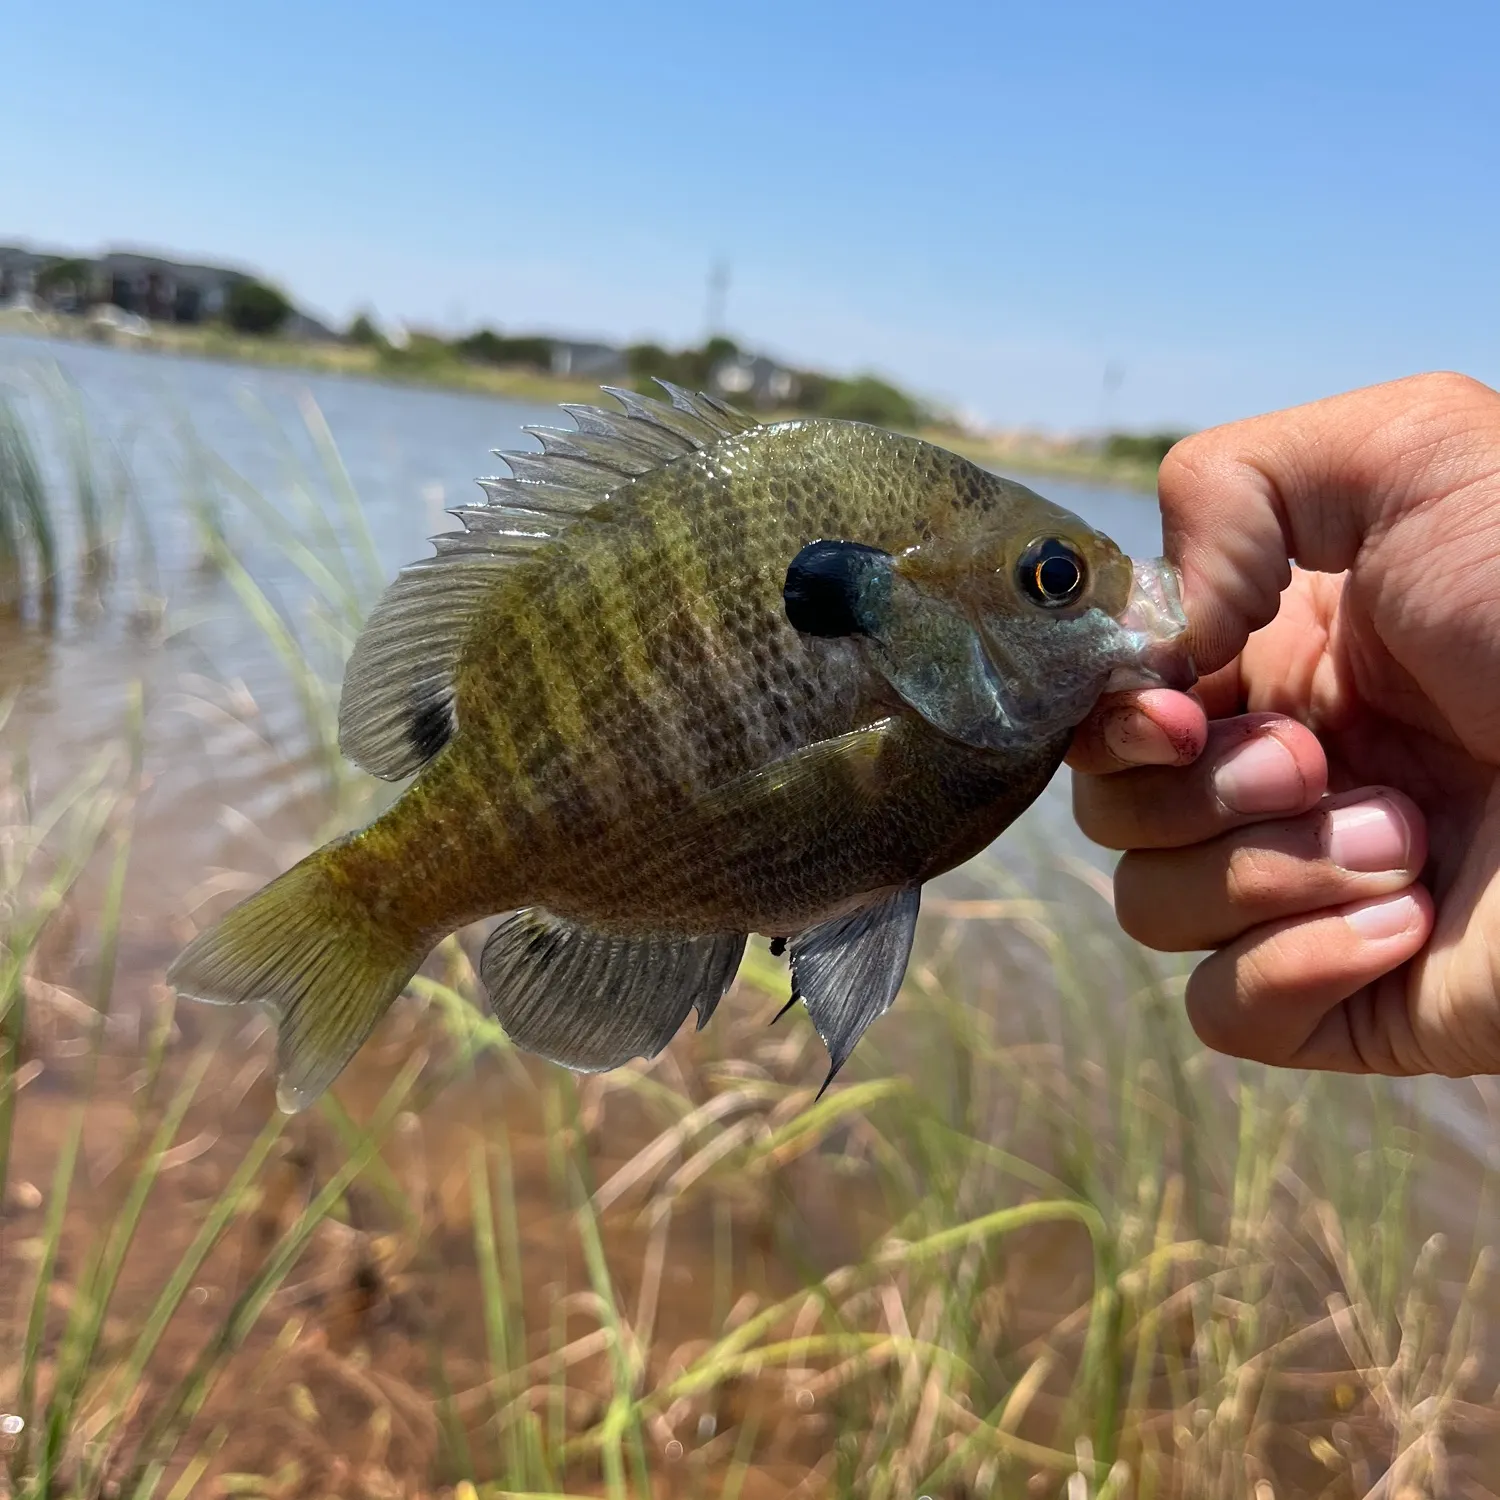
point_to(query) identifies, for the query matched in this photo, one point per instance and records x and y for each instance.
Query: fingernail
(1368, 837)
(1138, 740)
(1384, 919)
(1260, 777)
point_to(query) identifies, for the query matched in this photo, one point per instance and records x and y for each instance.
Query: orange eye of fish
(1051, 573)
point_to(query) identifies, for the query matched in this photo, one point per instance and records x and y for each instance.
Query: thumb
(1241, 503)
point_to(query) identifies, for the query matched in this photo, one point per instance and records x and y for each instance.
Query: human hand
(1325, 815)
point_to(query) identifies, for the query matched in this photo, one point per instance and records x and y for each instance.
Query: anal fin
(847, 971)
(592, 1000)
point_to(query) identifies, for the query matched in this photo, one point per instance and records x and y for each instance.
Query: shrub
(363, 331)
(255, 308)
(864, 399)
(492, 348)
(1140, 447)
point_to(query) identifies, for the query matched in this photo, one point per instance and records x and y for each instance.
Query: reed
(66, 502)
(28, 539)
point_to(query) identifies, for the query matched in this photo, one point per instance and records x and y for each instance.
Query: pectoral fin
(593, 1000)
(847, 971)
(823, 788)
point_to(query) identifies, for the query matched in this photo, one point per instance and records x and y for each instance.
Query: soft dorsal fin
(396, 708)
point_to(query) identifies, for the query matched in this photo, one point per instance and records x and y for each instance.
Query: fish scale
(625, 748)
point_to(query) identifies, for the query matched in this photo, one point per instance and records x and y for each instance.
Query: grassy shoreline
(363, 362)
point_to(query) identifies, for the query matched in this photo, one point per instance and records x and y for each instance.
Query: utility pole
(718, 295)
(1114, 378)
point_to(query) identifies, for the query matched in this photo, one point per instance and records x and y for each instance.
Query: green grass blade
(97, 1285)
(57, 1207)
(193, 1389)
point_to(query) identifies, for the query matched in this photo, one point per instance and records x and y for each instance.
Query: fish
(684, 677)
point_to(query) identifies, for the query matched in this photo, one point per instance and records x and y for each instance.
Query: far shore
(1036, 456)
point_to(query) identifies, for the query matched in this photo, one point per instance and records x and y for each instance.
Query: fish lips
(1155, 629)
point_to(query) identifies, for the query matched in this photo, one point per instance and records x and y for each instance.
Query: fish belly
(776, 855)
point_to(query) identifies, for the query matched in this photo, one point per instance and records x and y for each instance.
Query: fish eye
(1051, 573)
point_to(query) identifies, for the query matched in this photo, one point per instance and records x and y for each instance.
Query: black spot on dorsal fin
(431, 727)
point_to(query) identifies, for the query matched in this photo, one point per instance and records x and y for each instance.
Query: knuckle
(1186, 460)
(1438, 410)
(1210, 1019)
(1107, 811)
(1254, 879)
(1223, 995)
(1452, 387)
(1154, 903)
(1208, 459)
(1090, 808)
(1254, 972)
(1138, 907)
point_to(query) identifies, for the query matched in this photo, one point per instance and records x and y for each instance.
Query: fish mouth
(1156, 627)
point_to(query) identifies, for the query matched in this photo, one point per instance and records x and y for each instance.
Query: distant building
(147, 286)
(585, 361)
(18, 270)
(755, 380)
(164, 291)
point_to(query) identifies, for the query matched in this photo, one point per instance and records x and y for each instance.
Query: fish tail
(313, 950)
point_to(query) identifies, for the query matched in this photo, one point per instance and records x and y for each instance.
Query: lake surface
(409, 453)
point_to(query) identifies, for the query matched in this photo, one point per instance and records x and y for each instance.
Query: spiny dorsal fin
(396, 708)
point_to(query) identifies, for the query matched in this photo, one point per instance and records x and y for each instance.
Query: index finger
(1241, 503)
(1153, 726)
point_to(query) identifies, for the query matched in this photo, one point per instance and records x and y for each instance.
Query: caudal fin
(306, 947)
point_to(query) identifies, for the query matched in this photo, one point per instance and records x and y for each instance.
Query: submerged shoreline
(364, 362)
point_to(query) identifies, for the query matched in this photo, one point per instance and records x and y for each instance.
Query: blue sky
(1239, 206)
